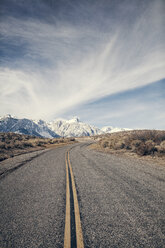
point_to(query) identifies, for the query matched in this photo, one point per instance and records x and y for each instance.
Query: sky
(101, 60)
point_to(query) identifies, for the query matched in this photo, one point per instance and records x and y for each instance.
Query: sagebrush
(13, 143)
(142, 142)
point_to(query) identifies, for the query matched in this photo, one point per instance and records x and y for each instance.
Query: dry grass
(141, 142)
(12, 144)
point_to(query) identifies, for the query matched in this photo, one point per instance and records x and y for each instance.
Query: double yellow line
(67, 234)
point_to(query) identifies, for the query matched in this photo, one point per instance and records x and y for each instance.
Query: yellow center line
(79, 235)
(67, 235)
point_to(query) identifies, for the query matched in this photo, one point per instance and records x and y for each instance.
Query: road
(121, 201)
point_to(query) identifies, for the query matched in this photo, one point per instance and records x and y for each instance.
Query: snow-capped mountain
(25, 126)
(110, 129)
(57, 128)
(73, 128)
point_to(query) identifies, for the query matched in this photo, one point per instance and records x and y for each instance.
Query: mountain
(73, 127)
(110, 129)
(25, 126)
(57, 128)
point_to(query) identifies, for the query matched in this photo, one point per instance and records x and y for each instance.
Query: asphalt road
(121, 200)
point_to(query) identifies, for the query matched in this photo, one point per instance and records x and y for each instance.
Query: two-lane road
(121, 201)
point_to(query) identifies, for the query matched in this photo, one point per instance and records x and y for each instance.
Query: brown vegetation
(12, 144)
(141, 142)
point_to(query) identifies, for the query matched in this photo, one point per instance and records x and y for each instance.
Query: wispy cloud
(50, 66)
(139, 108)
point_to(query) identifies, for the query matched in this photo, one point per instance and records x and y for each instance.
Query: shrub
(3, 156)
(8, 146)
(28, 144)
(104, 143)
(2, 145)
(127, 142)
(161, 148)
(119, 145)
(40, 143)
(135, 144)
(162, 144)
(142, 142)
(18, 145)
(54, 141)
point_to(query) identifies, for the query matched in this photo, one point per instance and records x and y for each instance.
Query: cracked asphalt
(121, 200)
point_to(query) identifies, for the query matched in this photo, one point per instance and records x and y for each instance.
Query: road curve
(121, 201)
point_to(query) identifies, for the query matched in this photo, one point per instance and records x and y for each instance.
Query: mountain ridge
(73, 127)
(25, 126)
(58, 128)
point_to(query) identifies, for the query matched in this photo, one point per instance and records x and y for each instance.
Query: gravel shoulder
(11, 164)
(129, 155)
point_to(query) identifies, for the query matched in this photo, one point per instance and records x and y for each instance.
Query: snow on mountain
(7, 116)
(60, 127)
(45, 131)
(73, 128)
(25, 126)
(110, 129)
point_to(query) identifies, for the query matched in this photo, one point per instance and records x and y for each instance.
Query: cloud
(139, 108)
(51, 65)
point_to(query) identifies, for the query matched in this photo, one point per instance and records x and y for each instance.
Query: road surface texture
(121, 200)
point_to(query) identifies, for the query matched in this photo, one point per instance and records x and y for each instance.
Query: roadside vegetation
(12, 144)
(141, 142)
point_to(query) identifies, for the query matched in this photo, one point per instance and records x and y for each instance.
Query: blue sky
(139, 108)
(101, 60)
